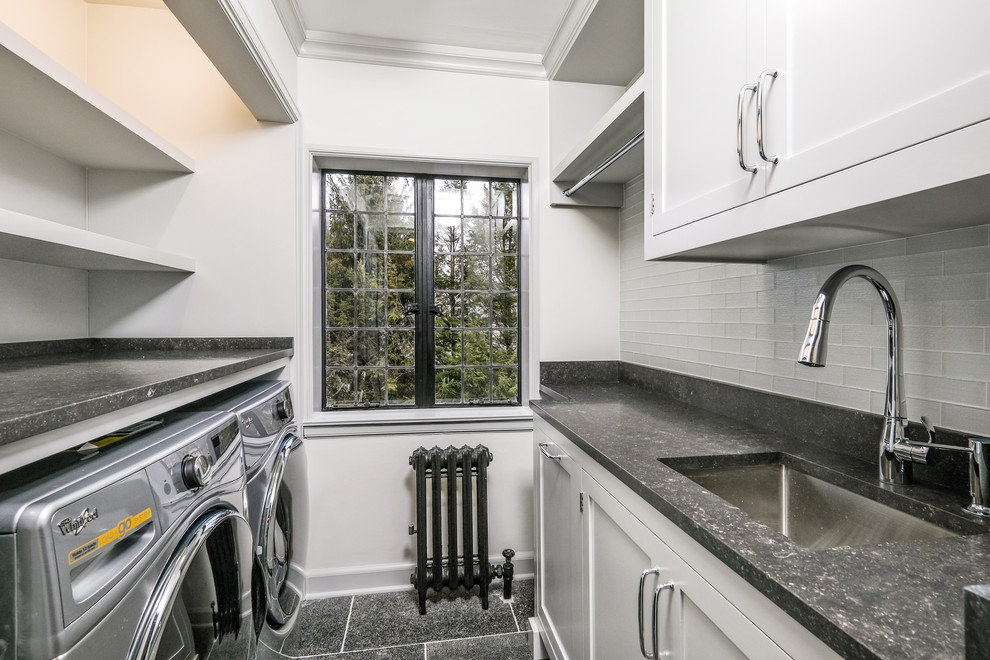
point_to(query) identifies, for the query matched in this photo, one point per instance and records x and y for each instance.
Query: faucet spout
(813, 354)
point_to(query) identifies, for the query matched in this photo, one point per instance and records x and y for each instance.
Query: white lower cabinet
(633, 584)
(558, 576)
(645, 601)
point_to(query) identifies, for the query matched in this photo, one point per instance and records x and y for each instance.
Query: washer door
(201, 605)
(274, 547)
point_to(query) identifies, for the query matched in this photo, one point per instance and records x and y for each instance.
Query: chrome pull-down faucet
(813, 350)
(897, 453)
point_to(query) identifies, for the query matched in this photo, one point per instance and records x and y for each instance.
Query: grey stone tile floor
(388, 626)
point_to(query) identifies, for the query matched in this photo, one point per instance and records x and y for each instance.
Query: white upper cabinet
(705, 57)
(783, 127)
(859, 80)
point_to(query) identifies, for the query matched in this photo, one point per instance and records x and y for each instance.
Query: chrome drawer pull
(642, 642)
(761, 93)
(546, 452)
(739, 128)
(656, 615)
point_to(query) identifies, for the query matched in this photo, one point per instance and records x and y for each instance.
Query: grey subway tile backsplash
(953, 239)
(895, 248)
(740, 323)
(956, 339)
(968, 366)
(915, 265)
(951, 287)
(971, 260)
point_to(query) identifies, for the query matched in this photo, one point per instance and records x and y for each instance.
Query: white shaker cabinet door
(692, 620)
(558, 589)
(859, 80)
(615, 562)
(700, 55)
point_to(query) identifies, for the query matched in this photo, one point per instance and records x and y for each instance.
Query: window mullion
(425, 348)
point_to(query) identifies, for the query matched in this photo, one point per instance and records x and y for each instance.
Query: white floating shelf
(224, 31)
(622, 122)
(27, 238)
(49, 106)
(598, 42)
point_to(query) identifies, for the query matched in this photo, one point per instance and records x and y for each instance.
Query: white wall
(364, 498)
(743, 323)
(427, 114)
(235, 215)
(58, 27)
(579, 297)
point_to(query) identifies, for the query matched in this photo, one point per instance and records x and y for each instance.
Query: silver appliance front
(275, 529)
(136, 546)
(200, 606)
(265, 415)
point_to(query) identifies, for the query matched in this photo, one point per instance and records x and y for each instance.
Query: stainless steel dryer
(131, 548)
(264, 412)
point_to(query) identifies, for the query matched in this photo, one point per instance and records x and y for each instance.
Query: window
(421, 283)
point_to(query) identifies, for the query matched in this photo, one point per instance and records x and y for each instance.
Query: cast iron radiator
(435, 569)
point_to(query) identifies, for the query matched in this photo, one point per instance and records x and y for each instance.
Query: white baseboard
(382, 577)
(539, 650)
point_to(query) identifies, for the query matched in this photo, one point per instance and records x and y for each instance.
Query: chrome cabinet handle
(761, 92)
(739, 127)
(642, 641)
(656, 615)
(546, 452)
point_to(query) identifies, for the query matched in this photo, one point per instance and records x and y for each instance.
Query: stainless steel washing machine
(264, 412)
(134, 546)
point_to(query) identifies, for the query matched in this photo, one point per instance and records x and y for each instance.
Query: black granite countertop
(895, 600)
(50, 385)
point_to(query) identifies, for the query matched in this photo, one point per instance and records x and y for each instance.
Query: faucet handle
(929, 428)
(979, 476)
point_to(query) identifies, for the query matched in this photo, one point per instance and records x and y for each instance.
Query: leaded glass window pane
(377, 320)
(484, 317)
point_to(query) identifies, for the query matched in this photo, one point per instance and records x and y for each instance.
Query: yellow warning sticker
(122, 529)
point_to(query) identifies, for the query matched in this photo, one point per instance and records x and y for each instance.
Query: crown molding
(292, 22)
(394, 52)
(566, 34)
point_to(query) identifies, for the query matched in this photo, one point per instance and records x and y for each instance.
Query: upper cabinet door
(860, 80)
(701, 57)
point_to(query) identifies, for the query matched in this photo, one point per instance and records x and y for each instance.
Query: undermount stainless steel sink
(811, 512)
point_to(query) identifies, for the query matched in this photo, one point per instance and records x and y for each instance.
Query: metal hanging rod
(623, 150)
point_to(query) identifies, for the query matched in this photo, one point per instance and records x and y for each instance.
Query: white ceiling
(523, 38)
(524, 26)
(505, 37)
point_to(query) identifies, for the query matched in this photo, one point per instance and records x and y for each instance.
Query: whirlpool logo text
(76, 525)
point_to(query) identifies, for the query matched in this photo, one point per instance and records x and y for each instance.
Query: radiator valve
(505, 572)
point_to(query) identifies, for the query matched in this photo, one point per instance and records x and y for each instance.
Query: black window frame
(424, 308)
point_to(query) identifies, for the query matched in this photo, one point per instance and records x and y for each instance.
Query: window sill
(332, 424)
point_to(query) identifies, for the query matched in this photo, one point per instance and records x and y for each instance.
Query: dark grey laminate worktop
(49, 385)
(896, 600)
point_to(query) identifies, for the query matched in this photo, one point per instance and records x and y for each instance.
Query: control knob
(196, 471)
(282, 410)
